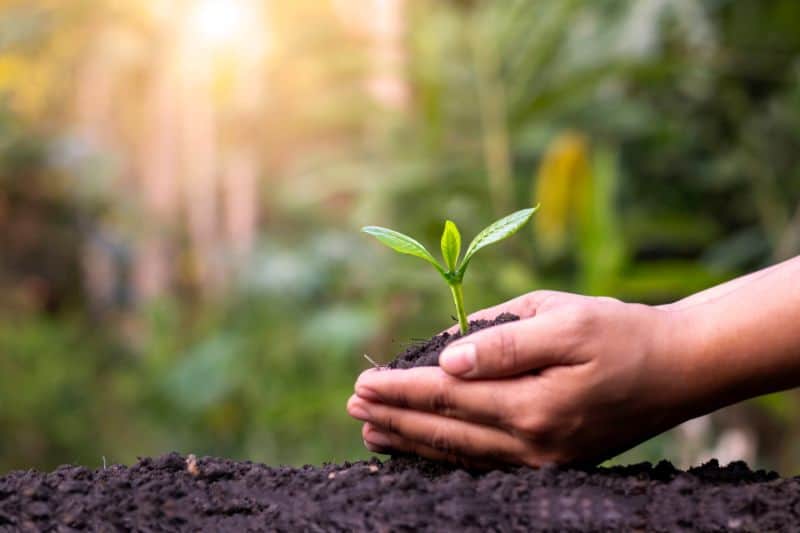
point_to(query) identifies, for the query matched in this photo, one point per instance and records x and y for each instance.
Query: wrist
(716, 363)
(676, 377)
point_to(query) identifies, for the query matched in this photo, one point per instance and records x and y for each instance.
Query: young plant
(453, 271)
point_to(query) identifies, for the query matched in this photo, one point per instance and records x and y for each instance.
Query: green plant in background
(452, 271)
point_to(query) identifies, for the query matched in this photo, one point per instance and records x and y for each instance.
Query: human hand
(576, 379)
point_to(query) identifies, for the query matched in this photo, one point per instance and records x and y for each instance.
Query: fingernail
(357, 410)
(367, 393)
(458, 359)
(379, 439)
(373, 448)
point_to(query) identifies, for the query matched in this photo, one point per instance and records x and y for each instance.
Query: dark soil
(177, 493)
(399, 495)
(427, 353)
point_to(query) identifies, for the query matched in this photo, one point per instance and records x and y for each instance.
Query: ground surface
(177, 493)
(166, 494)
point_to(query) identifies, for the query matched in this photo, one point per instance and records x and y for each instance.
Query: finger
(375, 441)
(508, 349)
(379, 440)
(433, 390)
(524, 306)
(448, 435)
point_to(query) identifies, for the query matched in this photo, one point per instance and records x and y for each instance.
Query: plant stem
(458, 298)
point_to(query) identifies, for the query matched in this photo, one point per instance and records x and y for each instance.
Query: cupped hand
(577, 379)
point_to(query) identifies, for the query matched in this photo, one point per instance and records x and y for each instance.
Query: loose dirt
(402, 494)
(427, 353)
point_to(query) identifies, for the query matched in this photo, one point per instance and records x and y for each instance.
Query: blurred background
(182, 183)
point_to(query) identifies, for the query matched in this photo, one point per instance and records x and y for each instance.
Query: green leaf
(402, 243)
(497, 231)
(451, 245)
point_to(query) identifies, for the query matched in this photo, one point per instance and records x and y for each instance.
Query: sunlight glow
(219, 22)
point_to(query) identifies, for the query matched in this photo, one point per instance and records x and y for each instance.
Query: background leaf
(451, 245)
(401, 243)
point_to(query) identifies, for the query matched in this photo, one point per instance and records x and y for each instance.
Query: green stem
(458, 298)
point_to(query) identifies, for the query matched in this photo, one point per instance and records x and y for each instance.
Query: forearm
(723, 289)
(741, 342)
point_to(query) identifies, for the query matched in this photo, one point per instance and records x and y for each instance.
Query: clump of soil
(175, 493)
(427, 352)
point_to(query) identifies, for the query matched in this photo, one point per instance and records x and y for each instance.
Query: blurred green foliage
(662, 142)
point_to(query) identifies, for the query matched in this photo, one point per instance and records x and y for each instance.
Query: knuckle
(439, 402)
(530, 303)
(580, 319)
(441, 442)
(572, 426)
(401, 399)
(531, 459)
(389, 423)
(507, 357)
(506, 410)
(419, 449)
(538, 458)
(579, 313)
(533, 426)
(541, 300)
(608, 300)
(441, 399)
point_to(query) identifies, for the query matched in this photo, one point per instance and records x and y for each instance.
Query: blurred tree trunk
(93, 101)
(387, 83)
(241, 202)
(240, 171)
(199, 159)
(158, 173)
(93, 108)
(381, 25)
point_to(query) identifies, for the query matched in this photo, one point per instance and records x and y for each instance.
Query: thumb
(524, 306)
(505, 350)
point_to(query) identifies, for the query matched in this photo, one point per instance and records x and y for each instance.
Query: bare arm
(745, 341)
(725, 288)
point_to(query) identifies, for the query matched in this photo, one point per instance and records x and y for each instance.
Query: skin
(580, 379)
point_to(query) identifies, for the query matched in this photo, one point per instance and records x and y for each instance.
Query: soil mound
(172, 494)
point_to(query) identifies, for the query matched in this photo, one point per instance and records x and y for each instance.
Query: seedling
(453, 271)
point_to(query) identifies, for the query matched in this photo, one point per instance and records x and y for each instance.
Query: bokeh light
(218, 21)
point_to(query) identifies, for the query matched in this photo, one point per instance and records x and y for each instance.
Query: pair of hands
(576, 379)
